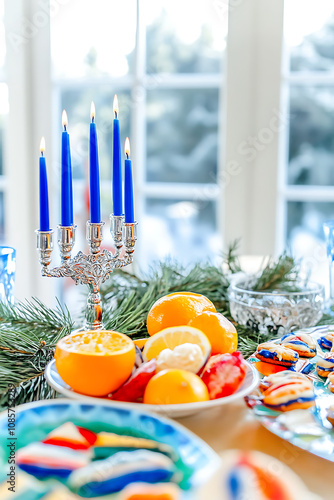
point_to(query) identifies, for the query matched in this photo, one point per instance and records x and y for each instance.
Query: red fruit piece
(223, 374)
(135, 387)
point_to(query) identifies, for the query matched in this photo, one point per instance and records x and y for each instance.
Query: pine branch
(231, 258)
(280, 274)
(29, 332)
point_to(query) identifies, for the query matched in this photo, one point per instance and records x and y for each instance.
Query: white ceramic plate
(178, 410)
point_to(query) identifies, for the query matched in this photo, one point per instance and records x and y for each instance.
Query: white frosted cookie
(302, 343)
(325, 365)
(276, 354)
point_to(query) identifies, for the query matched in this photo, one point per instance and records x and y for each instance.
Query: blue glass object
(7, 274)
(329, 238)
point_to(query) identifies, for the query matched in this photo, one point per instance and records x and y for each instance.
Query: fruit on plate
(95, 363)
(185, 356)
(169, 338)
(175, 386)
(223, 374)
(176, 309)
(135, 387)
(221, 333)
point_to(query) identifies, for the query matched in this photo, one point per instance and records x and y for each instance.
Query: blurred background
(229, 107)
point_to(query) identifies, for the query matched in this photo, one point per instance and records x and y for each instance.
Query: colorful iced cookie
(46, 460)
(326, 341)
(281, 377)
(331, 382)
(290, 395)
(330, 415)
(143, 491)
(71, 436)
(113, 474)
(325, 365)
(252, 476)
(276, 354)
(108, 444)
(303, 344)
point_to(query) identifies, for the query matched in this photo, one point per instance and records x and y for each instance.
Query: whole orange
(95, 362)
(176, 309)
(221, 333)
(175, 386)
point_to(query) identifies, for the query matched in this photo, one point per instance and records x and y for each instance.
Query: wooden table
(234, 427)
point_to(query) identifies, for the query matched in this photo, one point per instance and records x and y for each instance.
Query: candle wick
(42, 153)
(93, 119)
(65, 128)
(116, 114)
(127, 156)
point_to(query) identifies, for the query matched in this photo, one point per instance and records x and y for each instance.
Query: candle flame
(92, 111)
(115, 105)
(42, 146)
(127, 147)
(64, 119)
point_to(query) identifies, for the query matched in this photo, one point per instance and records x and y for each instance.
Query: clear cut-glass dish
(275, 311)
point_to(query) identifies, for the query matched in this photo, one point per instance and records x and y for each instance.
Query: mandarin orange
(173, 386)
(176, 309)
(221, 333)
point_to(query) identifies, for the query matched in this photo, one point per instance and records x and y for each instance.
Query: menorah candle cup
(45, 246)
(94, 235)
(66, 241)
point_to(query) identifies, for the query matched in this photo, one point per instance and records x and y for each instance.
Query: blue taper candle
(117, 165)
(128, 186)
(94, 176)
(44, 222)
(66, 177)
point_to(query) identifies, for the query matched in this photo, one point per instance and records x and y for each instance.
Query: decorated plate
(174, 410)
(196, 462)
(308, 429)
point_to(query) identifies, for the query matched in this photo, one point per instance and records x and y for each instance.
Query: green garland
(29, 331)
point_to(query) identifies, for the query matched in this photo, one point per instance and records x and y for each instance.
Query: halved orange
(174, 336)
(95, 363)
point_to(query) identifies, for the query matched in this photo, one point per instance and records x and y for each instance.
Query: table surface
(234, 427)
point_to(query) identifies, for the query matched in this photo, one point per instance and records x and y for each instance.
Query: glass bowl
(276, 312)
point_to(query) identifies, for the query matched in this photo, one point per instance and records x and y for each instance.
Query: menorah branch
(91, 269)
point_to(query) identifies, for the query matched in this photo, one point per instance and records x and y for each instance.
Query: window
(185, 100)
(167, 74)
(308, 84)
(3, 113)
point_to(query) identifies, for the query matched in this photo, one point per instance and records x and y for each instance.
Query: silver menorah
(92, 269)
